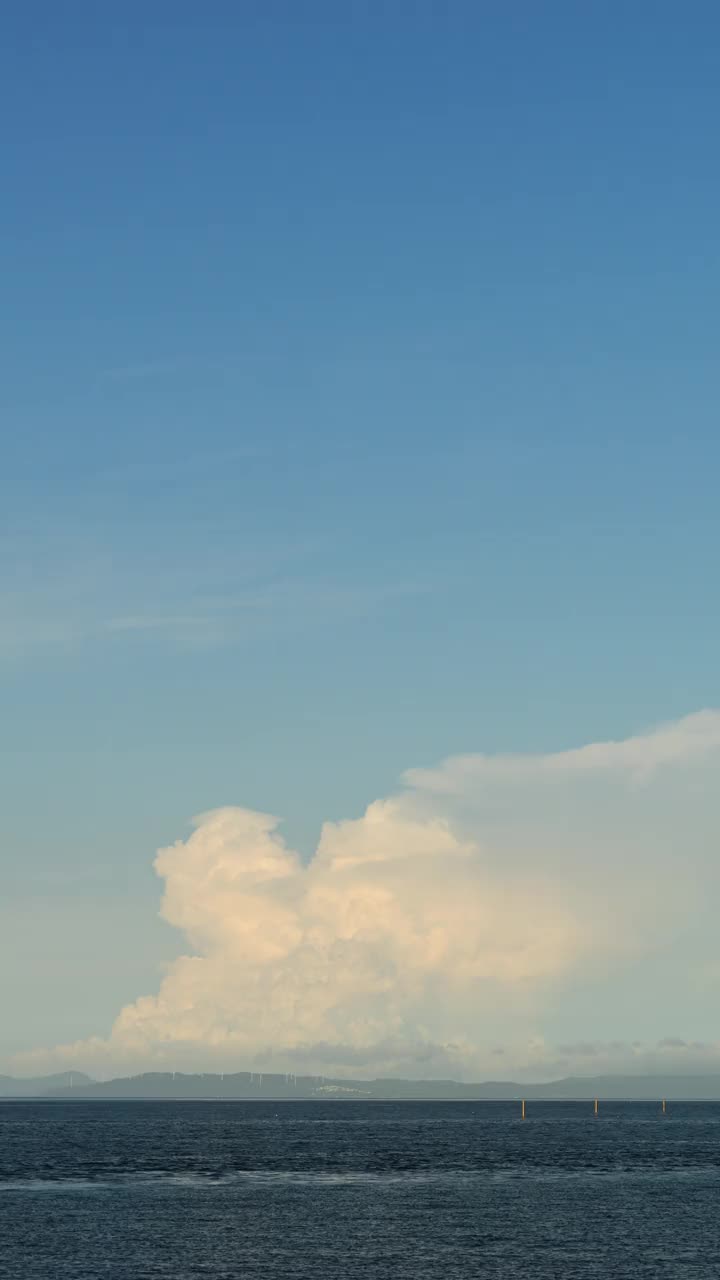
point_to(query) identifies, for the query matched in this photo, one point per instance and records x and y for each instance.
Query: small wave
(208, 1179)
(196, 1180)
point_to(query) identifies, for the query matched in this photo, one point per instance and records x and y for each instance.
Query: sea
(373, 1191)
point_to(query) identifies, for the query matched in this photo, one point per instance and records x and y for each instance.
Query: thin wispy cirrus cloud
(433, 934)
(65, 601)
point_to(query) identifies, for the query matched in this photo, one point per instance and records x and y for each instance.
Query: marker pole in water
(663, 1105)
(596, 1106)
(522, 1112)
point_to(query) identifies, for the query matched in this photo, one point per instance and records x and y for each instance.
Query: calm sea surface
(316, 1190)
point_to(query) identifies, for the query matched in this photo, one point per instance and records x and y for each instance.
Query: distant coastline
(249, 1086)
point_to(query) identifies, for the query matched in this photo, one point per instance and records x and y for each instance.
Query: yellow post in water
(596, 1106)
(522, 1114)
(663, 1106)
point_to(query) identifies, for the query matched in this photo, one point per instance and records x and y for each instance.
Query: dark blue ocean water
(129, 1191)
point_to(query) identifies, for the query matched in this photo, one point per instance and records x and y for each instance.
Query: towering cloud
(439, 923)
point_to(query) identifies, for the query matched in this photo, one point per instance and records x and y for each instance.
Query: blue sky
(358, 410)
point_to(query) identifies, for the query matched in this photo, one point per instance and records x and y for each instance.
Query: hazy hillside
(246, 1085)
(16, 1087)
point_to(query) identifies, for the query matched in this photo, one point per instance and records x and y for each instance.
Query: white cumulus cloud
(434, 929)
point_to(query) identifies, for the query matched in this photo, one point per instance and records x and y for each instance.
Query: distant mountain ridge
(247, 1086)
(37, 1086)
